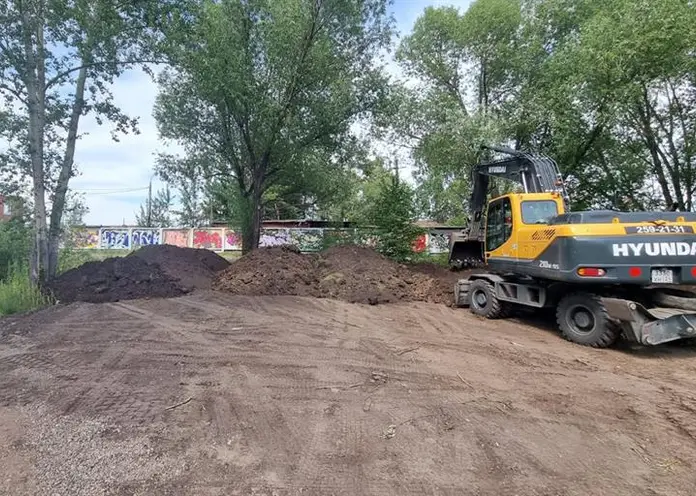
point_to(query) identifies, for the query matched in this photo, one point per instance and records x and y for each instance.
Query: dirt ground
(220, 394)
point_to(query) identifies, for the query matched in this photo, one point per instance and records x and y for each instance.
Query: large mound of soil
(351, 273)
(193, 268)
(269, 271)
(114, 279)
(159, 271)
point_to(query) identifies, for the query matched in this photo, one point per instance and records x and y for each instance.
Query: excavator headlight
(591, 272)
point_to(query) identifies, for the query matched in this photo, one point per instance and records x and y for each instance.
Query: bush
(17, 293)
(15, 240)
(392, 215)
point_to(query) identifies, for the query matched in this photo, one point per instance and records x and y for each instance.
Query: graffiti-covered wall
(146, 236)
(176, 237)
(210, 239)
(223, 239)
(114, 238)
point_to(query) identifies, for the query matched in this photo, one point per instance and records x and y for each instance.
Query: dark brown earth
(216, 394)
(350, 273)
(160, 271)
(193, 268)
(114, 279)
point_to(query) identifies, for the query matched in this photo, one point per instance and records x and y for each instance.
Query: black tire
(484, 302)
(583, 319)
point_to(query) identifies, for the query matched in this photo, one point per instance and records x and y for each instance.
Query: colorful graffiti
(420, 244)
(115, 239)
(176, 237)
(87, 239)
(307, 239)
(274, 237)
(146, 236)
(233, 241)
(210, 239)
(438, 242)
(221, 239)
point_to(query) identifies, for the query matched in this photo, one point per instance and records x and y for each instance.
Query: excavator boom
(534, 172)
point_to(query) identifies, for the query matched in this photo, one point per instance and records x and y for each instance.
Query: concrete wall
(223, 239)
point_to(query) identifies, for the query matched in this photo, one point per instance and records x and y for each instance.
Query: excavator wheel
(583, 319)
(484, 302)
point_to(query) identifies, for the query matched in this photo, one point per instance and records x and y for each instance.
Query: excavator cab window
(538, 211)
(498, 223)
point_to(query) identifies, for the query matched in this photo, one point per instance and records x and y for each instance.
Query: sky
(114, 176)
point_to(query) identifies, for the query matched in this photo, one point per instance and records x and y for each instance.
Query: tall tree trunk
(34, 79)
(58, 206)
(251, 217)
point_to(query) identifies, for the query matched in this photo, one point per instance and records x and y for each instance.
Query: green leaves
(57, 62)
(269, 90)
(605, 88)
(392, 214)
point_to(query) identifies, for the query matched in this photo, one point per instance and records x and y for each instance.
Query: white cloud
(106, 165)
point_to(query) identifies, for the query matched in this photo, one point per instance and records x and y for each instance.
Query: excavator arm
(536, 173)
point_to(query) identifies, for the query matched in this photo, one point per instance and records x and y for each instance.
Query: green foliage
(18, 294)
(392, 215)
(265, 93)
(15, 241)
(605, 88)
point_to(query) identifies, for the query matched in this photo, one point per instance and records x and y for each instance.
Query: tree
(156, 212)
(392, 214)
(57, 60)
(636, 59)
(269, 91)
(605, 88)
(465, 72)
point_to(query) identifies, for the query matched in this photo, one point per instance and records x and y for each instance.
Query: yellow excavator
(606, 273)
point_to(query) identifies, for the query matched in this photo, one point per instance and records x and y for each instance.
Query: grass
(17, 294)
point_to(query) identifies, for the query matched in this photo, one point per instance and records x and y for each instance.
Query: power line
(108, 192)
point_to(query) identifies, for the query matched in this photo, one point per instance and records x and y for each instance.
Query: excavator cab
(538, 175)
(516, 226)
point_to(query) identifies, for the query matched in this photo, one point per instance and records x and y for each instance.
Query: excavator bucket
(465, 253)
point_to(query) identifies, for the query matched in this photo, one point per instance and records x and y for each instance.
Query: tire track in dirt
(284, 398)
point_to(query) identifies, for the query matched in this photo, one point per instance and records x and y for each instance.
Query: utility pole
(396, 169)
(149, 204)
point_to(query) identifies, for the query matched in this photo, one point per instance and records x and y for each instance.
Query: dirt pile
(114, 279)
(193, 268)
(442, 290)
(350, 273)
(160, 271)
(361, 275)
(269, 271)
